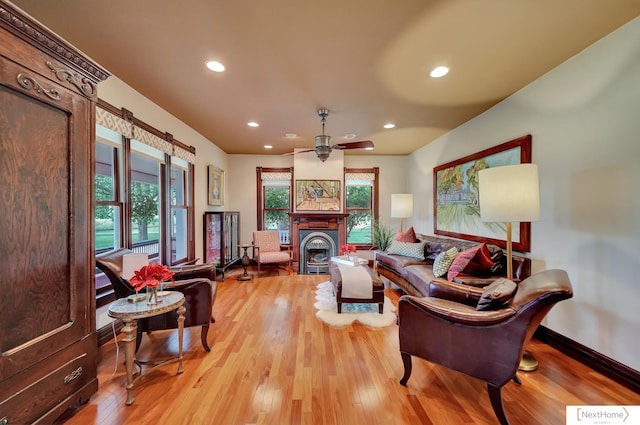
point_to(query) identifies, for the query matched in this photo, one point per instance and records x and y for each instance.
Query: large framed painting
(456, 210)
(318, 195)
(216, 186)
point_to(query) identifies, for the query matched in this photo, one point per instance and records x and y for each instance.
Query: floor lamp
(401, 206)
(510, 194)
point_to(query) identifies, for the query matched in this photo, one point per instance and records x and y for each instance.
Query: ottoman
(336, 282)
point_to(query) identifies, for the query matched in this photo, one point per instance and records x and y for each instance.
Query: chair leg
(406, 361)
(496, 402)
(203, 337)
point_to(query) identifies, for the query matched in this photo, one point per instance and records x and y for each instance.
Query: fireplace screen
(316, 249)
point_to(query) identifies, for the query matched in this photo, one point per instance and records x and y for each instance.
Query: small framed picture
(216, 186)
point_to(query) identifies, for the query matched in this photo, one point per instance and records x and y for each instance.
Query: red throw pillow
(475, 260)
(407, 236)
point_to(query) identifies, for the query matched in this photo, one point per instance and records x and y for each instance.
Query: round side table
(130, 312)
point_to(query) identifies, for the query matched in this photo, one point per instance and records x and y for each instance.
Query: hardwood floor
(273, 362)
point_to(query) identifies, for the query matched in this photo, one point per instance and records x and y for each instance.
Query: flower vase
(152, 296)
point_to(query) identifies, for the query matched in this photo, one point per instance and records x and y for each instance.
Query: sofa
(415, 275)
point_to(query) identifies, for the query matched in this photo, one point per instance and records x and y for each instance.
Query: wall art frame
(456, 212)
(318, 195)
(215, 186)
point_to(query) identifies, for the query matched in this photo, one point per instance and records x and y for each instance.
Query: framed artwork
(216, 186)
(456, 211)
(318, 195)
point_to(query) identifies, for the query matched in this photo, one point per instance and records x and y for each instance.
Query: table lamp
(507, 194)
(401, 206)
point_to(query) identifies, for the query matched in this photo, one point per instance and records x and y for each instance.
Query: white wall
(585, 122)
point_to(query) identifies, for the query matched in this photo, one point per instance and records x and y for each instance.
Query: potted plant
(382, 235)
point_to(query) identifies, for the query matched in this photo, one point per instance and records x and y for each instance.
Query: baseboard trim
(105, 333)
(608, 367)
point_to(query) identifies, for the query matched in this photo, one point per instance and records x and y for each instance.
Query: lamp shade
(401, 205)
(509, 193)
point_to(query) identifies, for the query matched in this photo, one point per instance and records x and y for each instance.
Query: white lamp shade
(401, 205)
(509, 193)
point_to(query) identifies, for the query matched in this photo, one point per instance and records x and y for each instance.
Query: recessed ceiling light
(290, 135)
(389, 125)
(253, 124)
(439, 71)
(350, 136)
(368, 149)
(268, 146)
(215, 66)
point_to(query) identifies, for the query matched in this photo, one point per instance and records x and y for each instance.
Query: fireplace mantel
(316, 221)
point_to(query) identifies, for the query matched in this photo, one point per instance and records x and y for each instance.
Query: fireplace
(316, 249)
(316, 238)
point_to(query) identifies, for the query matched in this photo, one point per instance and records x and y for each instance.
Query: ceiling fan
(323, 142)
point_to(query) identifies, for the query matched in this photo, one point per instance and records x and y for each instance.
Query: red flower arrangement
(150, 276)
(346, 249)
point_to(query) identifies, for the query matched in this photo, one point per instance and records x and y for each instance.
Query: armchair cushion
(497, 294)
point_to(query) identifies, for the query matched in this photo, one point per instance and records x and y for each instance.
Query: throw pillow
(413, 250)
(475, 261)
(408, 236)
(443, 261)
(497, 294)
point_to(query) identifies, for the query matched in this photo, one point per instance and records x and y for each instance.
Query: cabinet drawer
(60, 379)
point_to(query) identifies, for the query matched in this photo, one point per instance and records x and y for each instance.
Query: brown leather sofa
(415, 277)
(196, 282)
(486, 345)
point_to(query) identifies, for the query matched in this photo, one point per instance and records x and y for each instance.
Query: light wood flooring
(273, 362)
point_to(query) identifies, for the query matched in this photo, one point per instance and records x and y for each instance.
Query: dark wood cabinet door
(45, 226)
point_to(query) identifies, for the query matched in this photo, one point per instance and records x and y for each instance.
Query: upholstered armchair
(267, 249)
(487, 344)
(196, 282)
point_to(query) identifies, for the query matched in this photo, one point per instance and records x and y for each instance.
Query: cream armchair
(268, 250)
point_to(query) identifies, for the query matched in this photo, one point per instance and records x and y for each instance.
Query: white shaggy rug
(367, 314)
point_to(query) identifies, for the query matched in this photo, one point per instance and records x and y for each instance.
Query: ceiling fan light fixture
(323, 152)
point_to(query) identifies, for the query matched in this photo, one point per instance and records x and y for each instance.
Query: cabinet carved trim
(30, 31)
(83, 84)
(29, 83)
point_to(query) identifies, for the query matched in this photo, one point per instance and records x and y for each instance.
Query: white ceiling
(367, 61)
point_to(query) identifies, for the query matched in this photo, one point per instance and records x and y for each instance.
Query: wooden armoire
(48, 346)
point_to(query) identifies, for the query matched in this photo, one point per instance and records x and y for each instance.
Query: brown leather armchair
(196, 282)
(486, 345)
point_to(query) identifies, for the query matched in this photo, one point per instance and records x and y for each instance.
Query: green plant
(382, 235)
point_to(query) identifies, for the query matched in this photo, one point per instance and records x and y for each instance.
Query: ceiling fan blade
(293, 153)
(363, 144)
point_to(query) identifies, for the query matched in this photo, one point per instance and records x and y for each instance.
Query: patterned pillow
(443, 261)
(408, 236)
(475, 260)
(413, 250)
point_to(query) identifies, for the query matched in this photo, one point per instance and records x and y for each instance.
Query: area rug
(367, 314)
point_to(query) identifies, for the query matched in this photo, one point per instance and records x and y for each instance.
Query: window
(180, 182)
(361, 200)
(274, 200)
(143, 192)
